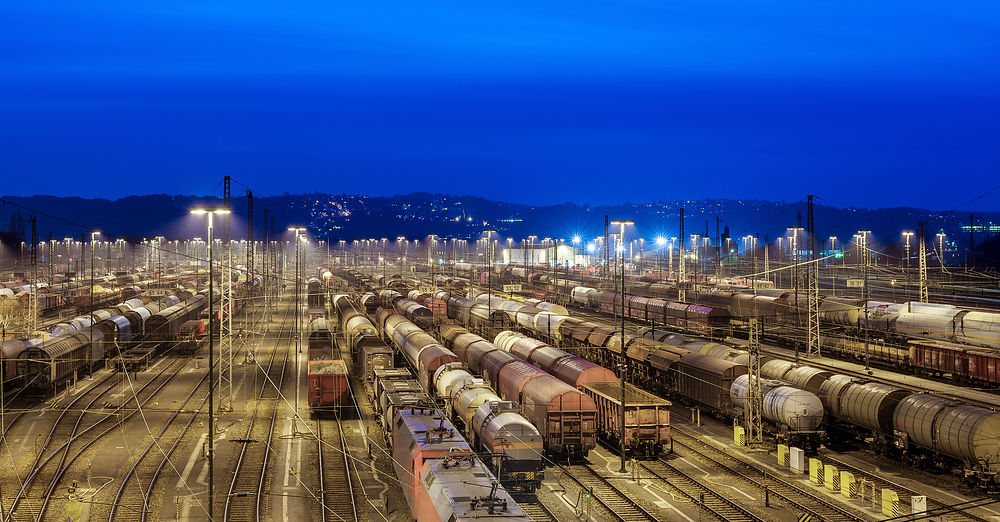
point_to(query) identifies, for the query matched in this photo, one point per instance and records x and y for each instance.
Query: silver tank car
(516, 445)
(871, 405)
(797, 409)
(959, 430)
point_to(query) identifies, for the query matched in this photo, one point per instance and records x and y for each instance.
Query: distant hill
(348, 217)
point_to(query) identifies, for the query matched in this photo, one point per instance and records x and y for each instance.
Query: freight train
(443, 479)
(680, 370)
(845, 322)
(514, 445)
(920, 429)
(44, 367)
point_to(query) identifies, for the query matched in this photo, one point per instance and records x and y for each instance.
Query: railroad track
(246, 499)
(708, 498)
(933, 505)
(791, 493)
(132, 505)
(36, 495)
(534, 508)
(336, 485)
(616, 504)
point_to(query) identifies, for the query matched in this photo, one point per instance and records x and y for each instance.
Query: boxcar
(706, 380)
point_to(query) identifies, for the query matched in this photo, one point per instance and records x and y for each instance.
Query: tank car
(930, 428)
(514, 445)
(794, 415)
(442, 478)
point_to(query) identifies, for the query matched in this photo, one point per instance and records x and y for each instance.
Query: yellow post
(739, 436)
(831, 478)
(890, 503)
(848, 487)
(815, 471)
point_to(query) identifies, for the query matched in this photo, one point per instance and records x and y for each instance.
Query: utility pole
(624, 361)
(923, 264)
(865, 294)
(226, 328)
(272, 238)
(250, 271)
(755, 395)
(34, 274)
(971, 258)
(250, 247)
(681, 276)
(718, 250)
(604, 272)
(812, 271)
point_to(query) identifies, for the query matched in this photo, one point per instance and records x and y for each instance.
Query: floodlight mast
(211, 361)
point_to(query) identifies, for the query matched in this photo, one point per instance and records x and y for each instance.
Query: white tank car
(796, 409)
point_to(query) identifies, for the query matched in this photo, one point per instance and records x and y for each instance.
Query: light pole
(298, 335)
(660, 242)
(940, 238)
(531, 245)
(694, 248)
(907, 235)
(211, 362)
(625, 360)
(93, 234)
(863, 247)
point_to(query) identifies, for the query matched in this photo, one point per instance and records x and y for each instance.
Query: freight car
(794, 416)
(442, 478)
(162, 328)
(316, 296)
(494, 427)
(513, 444)
(326, 374)
(10, 349)
(647, 418)
(671, 365)
(46, 367)
(372, 354)
(189, 337)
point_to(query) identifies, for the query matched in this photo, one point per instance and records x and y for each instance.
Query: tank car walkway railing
(767, 483)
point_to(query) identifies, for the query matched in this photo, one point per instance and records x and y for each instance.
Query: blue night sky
(861, 103)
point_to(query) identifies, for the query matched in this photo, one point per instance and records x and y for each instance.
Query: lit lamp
(907, 235)
(296, 230)
(624, 364)
(211, 360)
(660, 243)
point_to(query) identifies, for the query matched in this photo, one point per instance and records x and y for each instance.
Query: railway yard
(358, 394)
